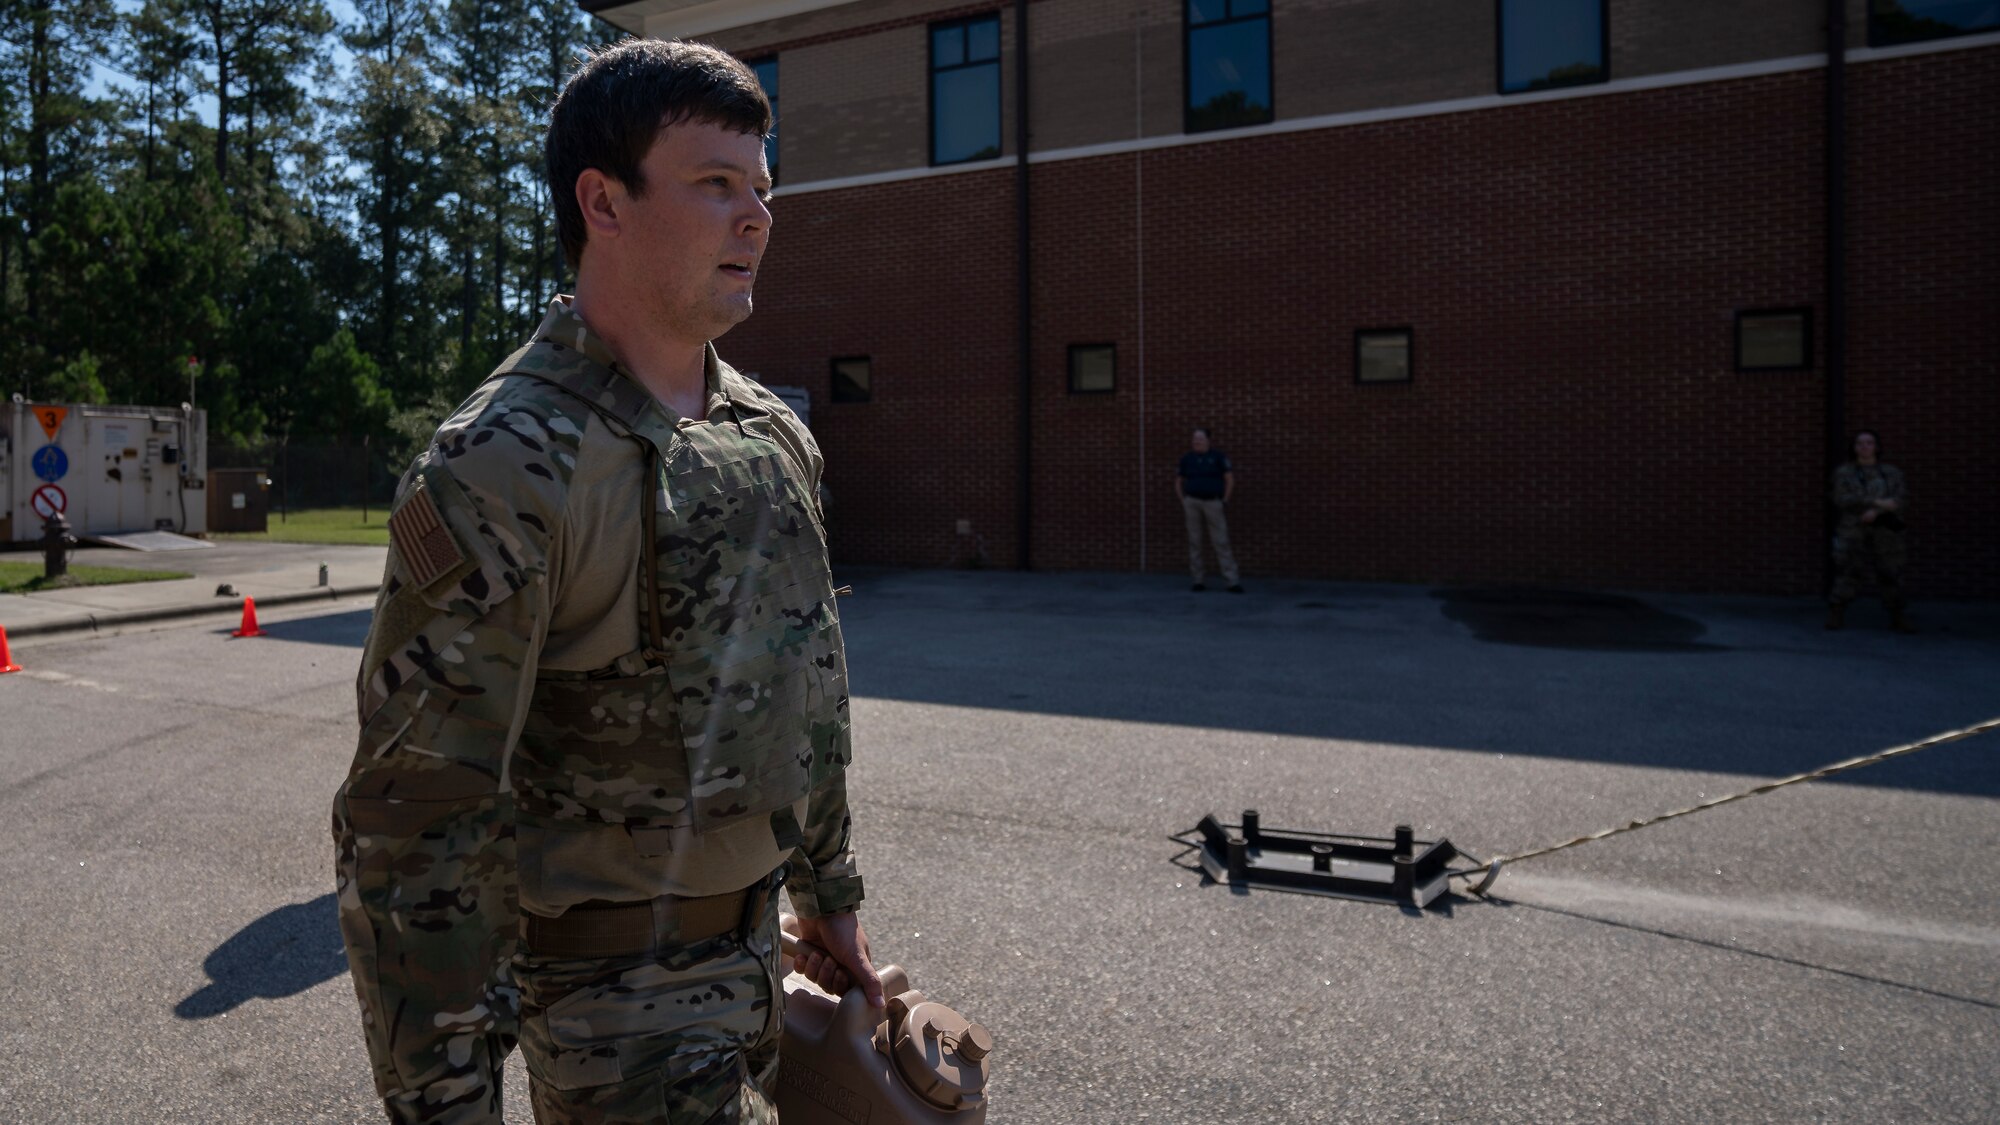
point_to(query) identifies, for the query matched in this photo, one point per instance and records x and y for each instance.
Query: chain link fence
(341, 473)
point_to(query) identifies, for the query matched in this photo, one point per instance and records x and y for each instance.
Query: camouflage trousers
(1861, 553)
(688, 1037)
(1208, 514)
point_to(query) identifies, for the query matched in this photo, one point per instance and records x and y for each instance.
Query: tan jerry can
(844, 1063)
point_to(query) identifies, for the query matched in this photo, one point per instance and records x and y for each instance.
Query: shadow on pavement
(349, 629)
(1575, 620)
(1752, 687)
(281, 954)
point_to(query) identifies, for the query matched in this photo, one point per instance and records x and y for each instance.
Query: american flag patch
(422, 540)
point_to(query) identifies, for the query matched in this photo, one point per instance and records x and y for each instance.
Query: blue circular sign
(51, 463)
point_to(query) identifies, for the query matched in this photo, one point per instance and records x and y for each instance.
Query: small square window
(1093, 368)
(1382, 355)
(851, 379)
(1774, 340)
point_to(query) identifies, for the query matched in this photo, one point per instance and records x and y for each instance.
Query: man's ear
(600, 198)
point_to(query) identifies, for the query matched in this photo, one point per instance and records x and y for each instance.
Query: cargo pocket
(656, 1025)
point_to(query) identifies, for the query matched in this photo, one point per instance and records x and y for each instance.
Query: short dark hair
(1856, 440)
(617, 102)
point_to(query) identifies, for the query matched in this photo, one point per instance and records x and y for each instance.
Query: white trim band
(1792, 64)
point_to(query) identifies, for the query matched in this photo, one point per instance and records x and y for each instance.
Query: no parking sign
(49, 500)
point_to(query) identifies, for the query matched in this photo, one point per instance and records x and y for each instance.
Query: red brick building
(1529, 291)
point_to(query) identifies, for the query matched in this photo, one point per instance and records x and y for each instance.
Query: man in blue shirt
(1205, 483)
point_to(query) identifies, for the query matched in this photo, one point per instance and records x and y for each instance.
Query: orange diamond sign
(51, 418)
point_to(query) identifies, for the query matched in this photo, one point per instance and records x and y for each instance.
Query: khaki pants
(1208, 513)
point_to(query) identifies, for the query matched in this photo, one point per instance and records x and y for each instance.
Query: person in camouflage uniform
(604, 698)
(1871, 499)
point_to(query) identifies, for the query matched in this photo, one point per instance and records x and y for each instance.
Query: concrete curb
(94, 622)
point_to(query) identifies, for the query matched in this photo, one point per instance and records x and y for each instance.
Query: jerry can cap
(938, 1053)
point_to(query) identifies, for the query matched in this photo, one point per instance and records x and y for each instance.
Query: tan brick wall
(1086, 65)
(828, 21)
(858, 104)
(1659, 36)
(1340, 56)
(853, 106)
(854, 85)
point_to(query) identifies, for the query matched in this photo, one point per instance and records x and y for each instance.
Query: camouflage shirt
(1856, 488)
(521, 563)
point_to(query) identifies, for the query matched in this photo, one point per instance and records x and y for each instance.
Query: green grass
(321, 525)
(26, 578)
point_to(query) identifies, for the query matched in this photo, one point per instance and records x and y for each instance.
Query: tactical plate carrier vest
(736, 706)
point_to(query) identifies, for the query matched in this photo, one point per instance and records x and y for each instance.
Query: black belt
(651, 928)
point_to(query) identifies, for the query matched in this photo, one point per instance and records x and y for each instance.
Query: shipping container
(108, 469)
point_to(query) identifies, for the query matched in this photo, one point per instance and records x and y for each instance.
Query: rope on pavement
(1491, 870)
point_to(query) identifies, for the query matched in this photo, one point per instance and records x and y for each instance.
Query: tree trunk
(500, 317)
(6, 238)
(221, 95)
(387, 169)
(468, 299)
(540, 253)
(39, 84)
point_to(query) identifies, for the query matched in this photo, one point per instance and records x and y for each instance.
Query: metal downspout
(1836, 268)
(1024, 489)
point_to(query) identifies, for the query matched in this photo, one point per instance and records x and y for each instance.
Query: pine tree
(49, 133)
(392, 135)
(341, 255)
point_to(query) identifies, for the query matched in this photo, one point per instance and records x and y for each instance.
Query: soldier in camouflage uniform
(1871, 498)
(604, 700)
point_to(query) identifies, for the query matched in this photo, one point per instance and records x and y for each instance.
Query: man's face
(1864, 448)
(691, 245)
(1199, 442)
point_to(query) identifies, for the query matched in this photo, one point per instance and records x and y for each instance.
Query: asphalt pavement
(1025, 746)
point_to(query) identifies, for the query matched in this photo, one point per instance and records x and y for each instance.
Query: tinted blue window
(947, 45)
(1911, 21)
(1549, 43)
(767, 77)
(1248, 7)
(982, 41)
(965, 90)
(1229, 74)
(1202, 11)
(965, 112)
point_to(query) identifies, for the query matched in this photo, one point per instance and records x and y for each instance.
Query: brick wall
(1571, 270)
(855, 78)
(918, 276)
(861, 108)
(1924, 300)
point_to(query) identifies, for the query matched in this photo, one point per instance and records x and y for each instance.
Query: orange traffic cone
(6, 660)
(249, 627)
